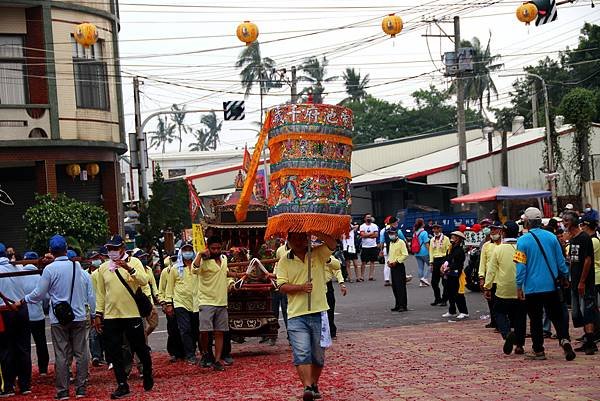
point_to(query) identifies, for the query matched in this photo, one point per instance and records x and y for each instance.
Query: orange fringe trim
(333, 225)
(241, 209)
(311, 172)
(311, 137)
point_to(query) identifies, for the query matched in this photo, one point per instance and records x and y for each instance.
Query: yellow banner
(198, 238)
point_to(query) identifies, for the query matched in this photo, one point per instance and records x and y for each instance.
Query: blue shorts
(305, 336)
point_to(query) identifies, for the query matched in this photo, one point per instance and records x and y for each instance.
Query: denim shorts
(305, 336)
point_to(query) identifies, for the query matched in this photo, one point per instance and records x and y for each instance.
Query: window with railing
(12, 70)
(91, 79)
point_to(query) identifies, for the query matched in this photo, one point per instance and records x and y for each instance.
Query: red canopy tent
(501, 193)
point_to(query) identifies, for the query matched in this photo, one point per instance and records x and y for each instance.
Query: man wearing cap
(182, 301)
(508, 309)
(589, 213)
(439, 245)
(384, 244)
(121, 316)
(540, 266)
(583, 290)
(37, 319)
(15, 343)
(590, 226)
(65, 281)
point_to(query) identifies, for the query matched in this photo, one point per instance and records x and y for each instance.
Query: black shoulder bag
(556, 281)
(63, 310)
(141, 300)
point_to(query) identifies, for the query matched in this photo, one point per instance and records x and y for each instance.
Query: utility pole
(534, 105)
(294, 86)
(463, 177)
(462, 187)
(141, 143)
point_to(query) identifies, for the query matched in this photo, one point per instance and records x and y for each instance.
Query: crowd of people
(106, 308)
(527, 270)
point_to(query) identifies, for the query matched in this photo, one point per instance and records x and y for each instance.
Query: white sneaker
(448, 314)
(462, 316)
(110, 366)
(426, 282)
(409, 277)
(421, 284)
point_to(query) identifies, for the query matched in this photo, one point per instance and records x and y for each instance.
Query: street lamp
(264, 152)
(550, 176)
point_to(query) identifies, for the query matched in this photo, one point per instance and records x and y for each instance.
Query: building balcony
(22, 122)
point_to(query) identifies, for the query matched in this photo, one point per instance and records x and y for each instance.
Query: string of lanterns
(91, 170)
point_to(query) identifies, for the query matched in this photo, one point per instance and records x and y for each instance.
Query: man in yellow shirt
(396, 258)
(181, 300)
(304, 324)
(211, 268)
(439, 245)
(509, 310)
(174, 344)
(150, 290)
(122, 319)
(486, 253)
(279, 300)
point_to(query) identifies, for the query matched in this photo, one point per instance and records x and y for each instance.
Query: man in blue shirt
(590, 213)
(15, 343)
(59, 279)
(540, 263)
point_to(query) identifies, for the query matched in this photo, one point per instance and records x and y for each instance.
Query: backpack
(415, 244)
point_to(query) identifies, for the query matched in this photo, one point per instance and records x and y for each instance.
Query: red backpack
(415, 245)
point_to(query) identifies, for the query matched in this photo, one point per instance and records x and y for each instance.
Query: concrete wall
(77, 123)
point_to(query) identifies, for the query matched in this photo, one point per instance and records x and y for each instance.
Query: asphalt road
(367, 306)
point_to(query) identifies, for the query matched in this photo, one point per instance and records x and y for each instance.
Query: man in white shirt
(370, 253)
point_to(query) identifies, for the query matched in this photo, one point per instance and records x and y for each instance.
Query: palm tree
(164, 134)
(178, 117)
(315, 72)
(213, 126)
(255, 69)
(479, 84)
(200, 144)
(355, 85)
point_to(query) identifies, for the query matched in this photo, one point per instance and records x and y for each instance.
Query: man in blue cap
(37, 318)
(15, 345)
(64, 281)
(116, 281)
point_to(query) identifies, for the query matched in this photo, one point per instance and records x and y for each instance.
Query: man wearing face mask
(150, 290)
(438, 249)
(180, 295)
(397, 256)
(486, 253)
(589, 213)
(96, 259)
(120, 313)
(370, 253)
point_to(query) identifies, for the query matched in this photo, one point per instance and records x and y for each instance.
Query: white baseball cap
(569, 206)
(532, 213)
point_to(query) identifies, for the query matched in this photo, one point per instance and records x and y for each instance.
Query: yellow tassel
(330, 224)
(241, 209)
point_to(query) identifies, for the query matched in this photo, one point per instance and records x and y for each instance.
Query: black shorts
(350, 256)
(369, 254)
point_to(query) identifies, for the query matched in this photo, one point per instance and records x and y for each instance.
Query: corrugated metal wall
(19, 184)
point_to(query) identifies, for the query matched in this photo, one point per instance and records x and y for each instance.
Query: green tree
(579, 108)
(200, 143)
(315, 72)
(178, 119)
(167, 208)
(374, 118)
(82, 223)
(165, 133)
(479, 84)
(356, 86)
